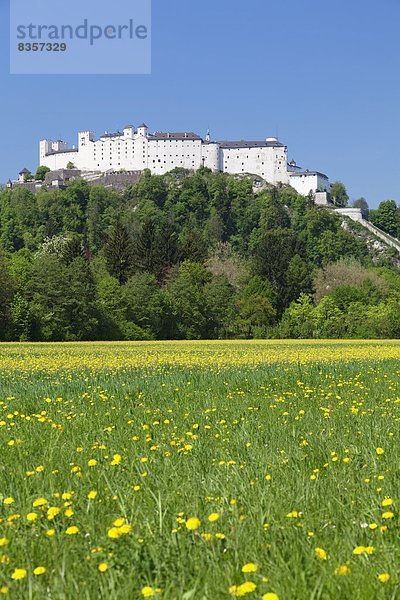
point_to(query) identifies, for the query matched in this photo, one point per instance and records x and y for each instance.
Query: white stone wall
(304, 183)
(270, 163)
(165, 155)
(133, 150)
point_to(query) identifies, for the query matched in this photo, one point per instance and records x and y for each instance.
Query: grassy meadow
(200, 470)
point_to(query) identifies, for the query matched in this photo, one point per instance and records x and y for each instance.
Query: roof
(61, 151)
(301, 173)
(24, 171)
(245, 144)
(112, 135)
(128, 127)
(143, 125)
(160, 135)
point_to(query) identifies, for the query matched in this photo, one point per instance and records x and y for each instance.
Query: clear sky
(323, 75)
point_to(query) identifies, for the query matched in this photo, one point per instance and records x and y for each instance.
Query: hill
(188, 256)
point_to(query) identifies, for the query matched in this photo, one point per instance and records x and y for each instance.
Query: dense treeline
(185, 256)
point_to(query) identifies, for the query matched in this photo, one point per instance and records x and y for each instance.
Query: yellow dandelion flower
(342, 570)
(119, 522)
(193, 523)
(19, 574)
(213, 517)
(147, 591)
(92, 494)
(387, 502)
(3, 542)
(387, 515)
(52, 512)
(270, 596)
(103, 567)
(8, 500)
(244, 588)
(39, 502)
(92, 463)
(39, 571)
(50, 532)
(32, 516)
(249, 568)
(383, 577)
(380, 451)
(114, 533)
(116, 459)
(321, 553)
(73, 530)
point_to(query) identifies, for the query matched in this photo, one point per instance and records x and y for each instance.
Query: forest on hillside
(188, 256)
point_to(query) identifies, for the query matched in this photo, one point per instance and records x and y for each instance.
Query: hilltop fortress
(136, 149)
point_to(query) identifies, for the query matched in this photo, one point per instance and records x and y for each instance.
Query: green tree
(63, 300)
(41, 173)
(256, 308)
(219, 296)
(339, 194)
(119, 253)
(7, 290)
(189, 304)
(146, 305)
(386, 217)
(298, 320)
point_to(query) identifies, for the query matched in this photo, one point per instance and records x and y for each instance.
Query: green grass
(238, 424)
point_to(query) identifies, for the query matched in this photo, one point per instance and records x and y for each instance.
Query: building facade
(136, 149)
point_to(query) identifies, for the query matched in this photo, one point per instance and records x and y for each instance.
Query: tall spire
(208, 135)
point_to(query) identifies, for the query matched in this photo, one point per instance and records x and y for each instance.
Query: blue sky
(323, 75)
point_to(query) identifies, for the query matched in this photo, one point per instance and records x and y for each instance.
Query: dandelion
(73, 530)
(8, 501)
(384, 577)
(92, 494)
(50, 532)
(32, 516)
(249, 568)
(380, 451)
(342, 570)
(103, 567)
(114, 533)
(244, 588)
(19, 574)
(387, 502)
(147, 591)
(116, 459)
(387, 515)
(39, 571)
(3, 542)
(92, 462)
(321, 554)
(270, 596)
(39, 502)
(52, 512)
(193, 523)
(213, 517)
